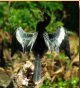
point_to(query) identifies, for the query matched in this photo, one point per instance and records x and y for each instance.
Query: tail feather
(37, 70)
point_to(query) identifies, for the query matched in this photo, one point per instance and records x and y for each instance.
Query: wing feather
(22, 39)
(58, 41)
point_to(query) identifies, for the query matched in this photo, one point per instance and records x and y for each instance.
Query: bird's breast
(39, 45)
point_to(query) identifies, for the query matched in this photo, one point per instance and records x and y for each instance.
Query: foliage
(61, 84)
(62, 57)
(68, 63)
(76, 51)
(18, 58)
(49, 55)
(3, 12)
(27, 14)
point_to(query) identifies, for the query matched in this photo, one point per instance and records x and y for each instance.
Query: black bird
(40, 42)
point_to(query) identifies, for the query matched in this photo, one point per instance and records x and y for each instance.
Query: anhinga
(40, 42)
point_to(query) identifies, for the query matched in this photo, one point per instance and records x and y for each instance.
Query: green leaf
(47, 82)
(18, 58)
(68, 62)
(59, 79)
(49, 55)
(9, 49)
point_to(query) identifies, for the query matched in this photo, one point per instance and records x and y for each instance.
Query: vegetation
(61, 84)
(27, 14)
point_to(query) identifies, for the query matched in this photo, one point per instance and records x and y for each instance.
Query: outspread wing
(23, 41)
(58, 41)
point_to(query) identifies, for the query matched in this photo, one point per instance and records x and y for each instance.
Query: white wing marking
(61, 35)
(25, 39)
(54, 43)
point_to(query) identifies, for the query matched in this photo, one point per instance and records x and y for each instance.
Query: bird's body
(39, 42)
(40, 47)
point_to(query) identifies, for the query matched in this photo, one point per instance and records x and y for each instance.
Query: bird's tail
(37, 70)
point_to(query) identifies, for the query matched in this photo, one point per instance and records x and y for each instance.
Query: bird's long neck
(43, 24)
(40, 28)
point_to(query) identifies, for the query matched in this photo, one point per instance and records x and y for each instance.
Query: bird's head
(42, 24)
(45, 16)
